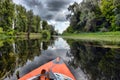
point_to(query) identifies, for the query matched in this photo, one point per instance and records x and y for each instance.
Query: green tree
(36, 24)
(21, 19)
(107, 9)
(52, 30)
(85, 16)
(44, 24)
(16, 17)
(6, 14)
(38, 19)
(94, 15)
(117, 14)
(30, 21)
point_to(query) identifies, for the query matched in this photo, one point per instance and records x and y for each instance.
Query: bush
(10, 32)
(1, 30)
(45, 34)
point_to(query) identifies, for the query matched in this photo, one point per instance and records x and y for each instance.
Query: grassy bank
(99, 36)
(35, 35)
(32, 35)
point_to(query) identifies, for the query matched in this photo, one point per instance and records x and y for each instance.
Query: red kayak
(53, 70)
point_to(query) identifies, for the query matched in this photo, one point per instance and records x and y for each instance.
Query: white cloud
(60, 26)
(78, 1)
(17, 1)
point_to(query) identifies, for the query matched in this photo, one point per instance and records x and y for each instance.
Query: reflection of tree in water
(99, 63)
(7, 60)
(27, 49)
(110, 64)
(14, 57)
(45, 44)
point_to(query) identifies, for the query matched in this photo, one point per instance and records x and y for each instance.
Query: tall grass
(99, 36)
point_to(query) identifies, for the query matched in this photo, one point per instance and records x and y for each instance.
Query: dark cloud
(57, 5)
(60, 19)
(33, 3)
(48, 17)
(47, 9)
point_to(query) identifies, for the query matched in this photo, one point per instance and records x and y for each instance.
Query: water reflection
(86, 60)
(15, 54)
(97, 62)
(30, 54)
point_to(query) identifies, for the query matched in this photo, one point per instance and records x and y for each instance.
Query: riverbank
(21, 35)
(99, 36)
(32, 35)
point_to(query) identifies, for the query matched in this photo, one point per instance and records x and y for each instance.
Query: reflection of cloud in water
(59, 44)
(57, 52)
(46, 56)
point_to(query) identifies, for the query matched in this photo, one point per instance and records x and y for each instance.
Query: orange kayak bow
(53, 70)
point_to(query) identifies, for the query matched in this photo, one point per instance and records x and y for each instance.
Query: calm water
(86, 60)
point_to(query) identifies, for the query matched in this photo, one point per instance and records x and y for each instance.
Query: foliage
(44, 25)
(1, 43)
(20, 19)
(37, 24)
(1, 30)
(16, 18)
(94, 16)
(10, 32)
(6, 14)
(50, 28)
(69, 30)
(45, 34)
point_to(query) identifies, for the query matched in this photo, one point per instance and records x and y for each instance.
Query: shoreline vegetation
(4, 37)
(21, 35)
(17, 21)
(94, 20)
(113, 37)
(32, 35)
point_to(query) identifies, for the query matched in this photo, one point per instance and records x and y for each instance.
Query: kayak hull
(56, 65)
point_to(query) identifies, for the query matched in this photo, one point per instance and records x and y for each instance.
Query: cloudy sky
(54, 11)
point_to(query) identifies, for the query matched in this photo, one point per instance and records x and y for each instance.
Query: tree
(21, 19)
(52, 30)
(16, 17)
(85, 16)
(36, 24)
(44, 25)
(38, 19)
(6, 14)
(94, 15)
(30, 21)
(117, 14)
(107, 9)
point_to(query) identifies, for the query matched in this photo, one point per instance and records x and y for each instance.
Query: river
(86, 60)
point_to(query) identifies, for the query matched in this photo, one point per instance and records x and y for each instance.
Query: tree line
(15, 18)
(94, 16)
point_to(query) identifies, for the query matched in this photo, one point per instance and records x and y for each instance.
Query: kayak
(53, 70)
